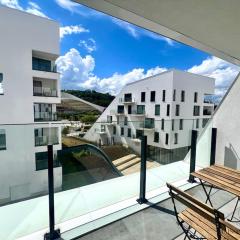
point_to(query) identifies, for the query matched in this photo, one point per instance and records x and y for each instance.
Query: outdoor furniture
(199, 220)
(223, 178)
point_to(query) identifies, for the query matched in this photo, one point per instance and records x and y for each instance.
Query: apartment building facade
(164, 107)
(29, 92)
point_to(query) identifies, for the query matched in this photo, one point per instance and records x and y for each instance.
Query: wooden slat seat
(207, 221)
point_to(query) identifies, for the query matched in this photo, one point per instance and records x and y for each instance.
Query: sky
(103, 53)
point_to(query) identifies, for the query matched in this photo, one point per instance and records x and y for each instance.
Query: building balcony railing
(44, 92)
(138, 112)
(43, 65)
(207, 112)
(46, 140)
(45, 116)
(127, 100)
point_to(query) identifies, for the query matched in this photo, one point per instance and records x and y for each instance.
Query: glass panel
(23, 178)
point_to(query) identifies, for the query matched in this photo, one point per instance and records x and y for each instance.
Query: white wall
(227, 121)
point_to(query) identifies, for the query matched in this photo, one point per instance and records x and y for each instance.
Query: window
(122, 131)
(166, 139)
(156, 137)
(197, 123)
(125, 121)
(114, 130)
(1, 84)
(196, 110)
(175, 138)
(195, 97)
(174, 95)
(139, 133)
(41, 160)
(162, 124)
(103, 128)
(41, 64)
(181, 124)
(163, 95)
(172, 124)
(152, 97)
(143, 96)
(140, 109)
(129, 109)
(118, 119)
(177, 113)
(149, 123)
(204, 122)
(157, 110)
(109, 119)
(2, 139)
(127, 97)
(129, 132)
(120, 109)
(182, 96)
(168, 110)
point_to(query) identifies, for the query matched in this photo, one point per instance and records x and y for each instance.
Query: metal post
(213, 146)
(53, 234)
(193, 155)
(142, 193)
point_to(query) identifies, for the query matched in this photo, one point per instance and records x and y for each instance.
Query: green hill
(101, 99)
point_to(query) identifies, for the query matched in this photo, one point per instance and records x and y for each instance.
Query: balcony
(43, 65)
(127, 100)
(208, 110)
(44, 92)
(45, 116)
(46, 140)
(208, 99)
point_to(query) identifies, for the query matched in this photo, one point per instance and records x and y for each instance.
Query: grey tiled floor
(157, 222)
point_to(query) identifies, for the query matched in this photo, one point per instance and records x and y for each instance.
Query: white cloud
(138, 32)
(74, 29)
(77, 73)
(89, 45)
(68, 4)
(223, 72)
(75, 69)
(11, 4)
(77, 8)
(32, 7)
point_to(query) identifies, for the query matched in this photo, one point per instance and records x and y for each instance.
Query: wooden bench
(200, 221)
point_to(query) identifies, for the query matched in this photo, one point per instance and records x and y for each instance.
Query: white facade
(183, 90)
(29, 47)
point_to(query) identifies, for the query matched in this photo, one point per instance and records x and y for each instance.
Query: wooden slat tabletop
(222, 177)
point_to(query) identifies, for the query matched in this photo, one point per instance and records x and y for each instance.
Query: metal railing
(45, 116)
(45, 140)
(44, 92)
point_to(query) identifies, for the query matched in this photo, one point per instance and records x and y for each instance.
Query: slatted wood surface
(205, 227)
(222, 177)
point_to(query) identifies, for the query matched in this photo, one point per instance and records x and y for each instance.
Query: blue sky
(102, 53)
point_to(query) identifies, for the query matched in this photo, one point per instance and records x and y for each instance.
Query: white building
(29, 92)
(165, 108)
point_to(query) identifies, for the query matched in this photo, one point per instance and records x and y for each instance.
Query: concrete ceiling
(209, 25)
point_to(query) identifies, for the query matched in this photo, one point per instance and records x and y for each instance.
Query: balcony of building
(46, 136)
(45, 87)
(208, 110)
(44, 112)
(44, 62)
(127, 99)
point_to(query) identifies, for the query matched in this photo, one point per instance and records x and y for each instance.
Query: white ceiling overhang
(209, 25)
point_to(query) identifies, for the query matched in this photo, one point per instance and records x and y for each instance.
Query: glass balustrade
(95, 174)
(44, 92)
